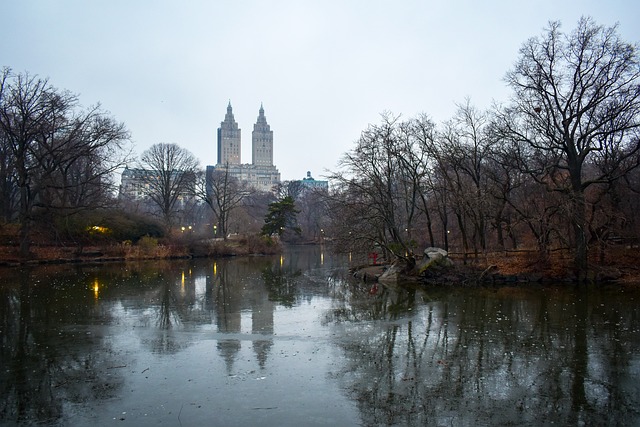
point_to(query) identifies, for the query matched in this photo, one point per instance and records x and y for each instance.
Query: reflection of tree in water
(171, 296)
(166, 316)
(357, 301)
(169, 313)
(281, 284)
(53, 354)
(43, 372)
(493, 358)
(162, 296)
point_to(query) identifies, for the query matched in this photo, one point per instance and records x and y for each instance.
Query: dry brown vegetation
(620, 263)
(145, 248)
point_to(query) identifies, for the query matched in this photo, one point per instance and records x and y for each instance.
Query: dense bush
(106, 226)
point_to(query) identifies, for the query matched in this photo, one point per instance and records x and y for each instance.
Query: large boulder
(393, 274)
(434, 262)
(401, 270)
(435, 257)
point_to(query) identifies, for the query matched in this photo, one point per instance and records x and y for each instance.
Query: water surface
(292, 340)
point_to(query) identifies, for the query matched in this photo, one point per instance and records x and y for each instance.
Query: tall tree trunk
(428, 217)
(25, 223)
(430, 230)
(499, 234)
(578, 216)
(579, 223)
(465, 240)
(24, 214)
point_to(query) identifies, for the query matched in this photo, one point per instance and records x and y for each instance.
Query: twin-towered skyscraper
(229, 141)
(260, 173)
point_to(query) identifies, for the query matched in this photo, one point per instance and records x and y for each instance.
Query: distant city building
(262, 141)
(229, 140)
(134, 183)
(135, 186)
(260, 173)
(309, 182)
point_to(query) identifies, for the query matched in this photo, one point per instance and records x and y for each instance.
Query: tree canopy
(555, 167)
(57, 158)
(170, 178)
(575, 114)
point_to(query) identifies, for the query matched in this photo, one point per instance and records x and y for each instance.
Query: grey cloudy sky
(322, 69)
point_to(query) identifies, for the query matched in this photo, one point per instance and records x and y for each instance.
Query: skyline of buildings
(261, 173)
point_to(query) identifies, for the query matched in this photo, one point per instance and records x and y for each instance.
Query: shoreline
(59, 255)
(493, 275)
(496, 271)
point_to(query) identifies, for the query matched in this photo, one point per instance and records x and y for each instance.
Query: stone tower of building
(229, 140)
(261, 173)
(262, 141)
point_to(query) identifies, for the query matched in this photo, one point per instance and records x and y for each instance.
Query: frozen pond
(291, 341)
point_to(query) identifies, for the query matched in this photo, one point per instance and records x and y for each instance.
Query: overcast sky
(323, 70)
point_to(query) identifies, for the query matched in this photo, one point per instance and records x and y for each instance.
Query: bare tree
(576, 102)
(170, 174)
(466, 149)
(414, 155)
(312, 218)
(223, 193)
(293, 189)
(8, 185)
(250, 213)
(370, 192)
(312, 203)
(62, 156)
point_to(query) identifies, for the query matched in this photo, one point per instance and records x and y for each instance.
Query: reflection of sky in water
(228, 372)
(254, 341)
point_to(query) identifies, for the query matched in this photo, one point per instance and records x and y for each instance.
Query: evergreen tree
(281, 216)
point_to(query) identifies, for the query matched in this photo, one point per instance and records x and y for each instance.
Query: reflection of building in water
(262, 323)
(229, 350)
(228, 306)
(241, 297)
(232, 304)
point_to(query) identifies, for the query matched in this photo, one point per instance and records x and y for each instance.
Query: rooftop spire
(261, 118)
(229, 121)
